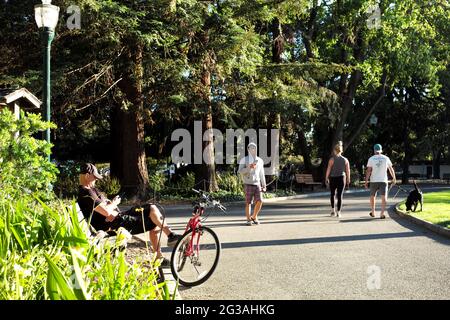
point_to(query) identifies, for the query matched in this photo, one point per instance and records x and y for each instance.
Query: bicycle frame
(193, 225)
(199, 269)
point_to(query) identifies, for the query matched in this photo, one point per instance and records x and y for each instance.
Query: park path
(300, 252)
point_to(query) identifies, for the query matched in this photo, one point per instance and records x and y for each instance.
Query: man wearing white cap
(377, 168)
(251, 169)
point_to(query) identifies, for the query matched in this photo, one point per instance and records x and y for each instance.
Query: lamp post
(46, 16)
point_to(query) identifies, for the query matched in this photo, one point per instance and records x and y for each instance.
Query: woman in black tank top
(337, 176)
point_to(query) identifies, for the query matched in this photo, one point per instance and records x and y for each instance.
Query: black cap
(90, 168)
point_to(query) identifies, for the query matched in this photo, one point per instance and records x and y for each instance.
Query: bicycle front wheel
(194, 260)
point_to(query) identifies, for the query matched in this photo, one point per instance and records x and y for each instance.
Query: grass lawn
(436, 208)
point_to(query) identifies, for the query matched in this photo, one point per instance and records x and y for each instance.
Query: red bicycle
(196, 254)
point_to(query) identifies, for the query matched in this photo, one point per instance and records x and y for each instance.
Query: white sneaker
(338, 214)
(333, 213)
(249, 222)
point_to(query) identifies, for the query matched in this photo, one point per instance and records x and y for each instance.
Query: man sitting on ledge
(104, 214)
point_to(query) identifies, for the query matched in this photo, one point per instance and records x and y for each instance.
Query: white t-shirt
(379, 164)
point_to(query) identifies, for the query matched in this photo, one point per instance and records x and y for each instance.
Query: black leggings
(337, 183)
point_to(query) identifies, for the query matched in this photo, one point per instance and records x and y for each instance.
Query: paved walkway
(300, 252)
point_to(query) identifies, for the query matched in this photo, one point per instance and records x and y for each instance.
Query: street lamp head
(46, 15)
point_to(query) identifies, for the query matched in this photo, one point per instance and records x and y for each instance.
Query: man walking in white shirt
(251, 169)
(377, 168)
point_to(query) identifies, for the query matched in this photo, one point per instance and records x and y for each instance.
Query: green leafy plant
(187, 181)
(157, 181)
(109, 185)
(45, 254)
(24, 165)
(230, 182)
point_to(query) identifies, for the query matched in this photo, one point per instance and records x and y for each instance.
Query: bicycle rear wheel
(193, 268)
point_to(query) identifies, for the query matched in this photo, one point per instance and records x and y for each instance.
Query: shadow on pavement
(281, 242)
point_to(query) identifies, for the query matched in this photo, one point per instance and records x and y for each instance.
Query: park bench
(305, 179)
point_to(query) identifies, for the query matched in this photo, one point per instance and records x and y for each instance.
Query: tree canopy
(317, 70)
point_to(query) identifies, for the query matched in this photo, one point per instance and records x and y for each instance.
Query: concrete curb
(430, 226)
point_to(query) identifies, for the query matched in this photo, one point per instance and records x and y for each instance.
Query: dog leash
(399, 189)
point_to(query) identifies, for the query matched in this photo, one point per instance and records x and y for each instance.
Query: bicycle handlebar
(208, 198)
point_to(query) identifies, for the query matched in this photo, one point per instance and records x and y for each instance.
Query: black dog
(414, 198)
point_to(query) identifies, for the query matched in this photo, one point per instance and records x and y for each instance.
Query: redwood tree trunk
(128, 162)
(206, 172)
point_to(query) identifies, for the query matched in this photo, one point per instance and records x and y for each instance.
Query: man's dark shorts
(252, 192)
(132, 220)
(382, 187)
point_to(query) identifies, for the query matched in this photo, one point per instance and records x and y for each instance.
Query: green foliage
(225, 196)
(230, 182)
(181, 189)
(67, 183)
(279, 193)
(355, 177)
(109, 185)
(187, 181)
(44, 254)
(157, 180)
(321, 76)
(291, 159)
(24, 167)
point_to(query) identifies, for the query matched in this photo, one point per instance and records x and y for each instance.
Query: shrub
(187, 181)
(155, 164)
(24, 165)
(157, 181)
(226, 196)
(296, 160)
(230, 182)
(109, 185)
(182, 189)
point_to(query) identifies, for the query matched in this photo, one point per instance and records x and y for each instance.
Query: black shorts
(134, 220)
